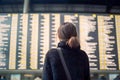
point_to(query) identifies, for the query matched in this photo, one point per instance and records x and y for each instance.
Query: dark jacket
(76, 61)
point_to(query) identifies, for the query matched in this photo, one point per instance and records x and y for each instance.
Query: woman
(75, 59)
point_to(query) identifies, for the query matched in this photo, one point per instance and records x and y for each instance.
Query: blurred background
(58, 6)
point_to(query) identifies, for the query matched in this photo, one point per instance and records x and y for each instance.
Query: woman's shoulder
(52, 52)
(52, 55)
(82, 52)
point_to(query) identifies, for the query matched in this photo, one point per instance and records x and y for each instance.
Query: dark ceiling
(108, 3)
(97, 2)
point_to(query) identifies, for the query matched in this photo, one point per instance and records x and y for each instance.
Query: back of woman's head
(67, 32)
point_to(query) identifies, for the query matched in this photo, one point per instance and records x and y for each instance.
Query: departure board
(88, 32)
(107, 42)
(26, 38)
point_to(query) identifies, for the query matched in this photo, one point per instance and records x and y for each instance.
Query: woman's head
(67, 32)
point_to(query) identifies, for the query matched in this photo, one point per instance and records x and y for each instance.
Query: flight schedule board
(26, 38)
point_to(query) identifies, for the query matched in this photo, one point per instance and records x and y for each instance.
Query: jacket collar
(64, 45)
